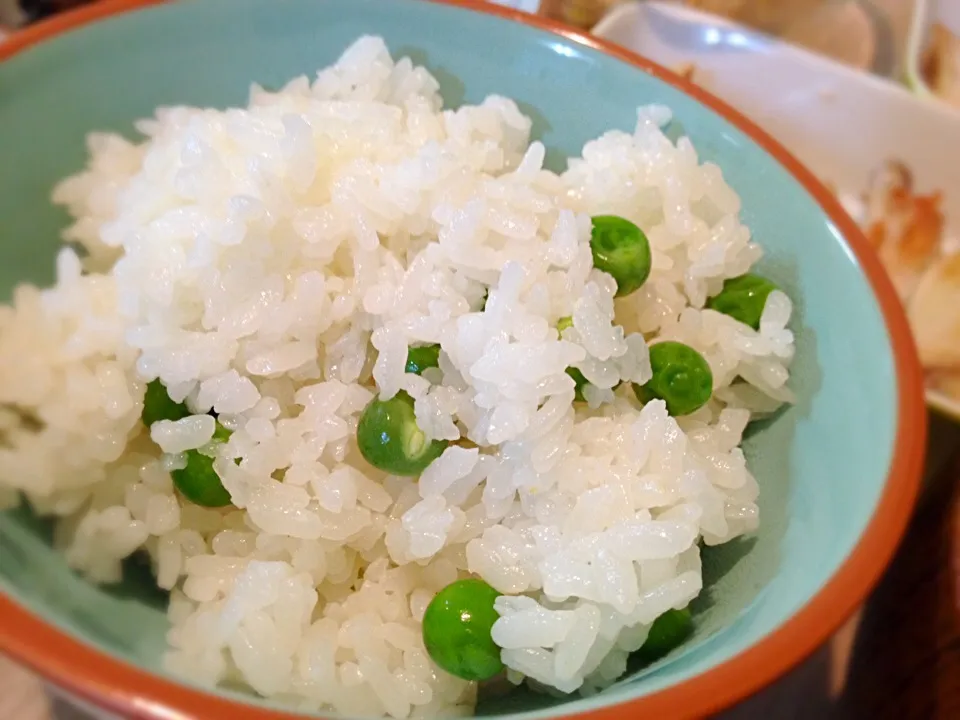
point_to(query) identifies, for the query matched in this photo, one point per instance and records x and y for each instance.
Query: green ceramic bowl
(839, 471)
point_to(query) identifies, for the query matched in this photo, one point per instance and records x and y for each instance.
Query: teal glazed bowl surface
(839, 471)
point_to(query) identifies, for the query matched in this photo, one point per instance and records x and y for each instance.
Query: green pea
(198, 482)
(222, 434)
(667, 632)
(622, 250)
(681, 378)
(457, 630)
(157, 405)
(422, 357)
(580, 382)
(390, 439)
(743, 299)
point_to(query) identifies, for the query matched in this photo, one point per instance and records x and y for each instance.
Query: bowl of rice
(423, 359)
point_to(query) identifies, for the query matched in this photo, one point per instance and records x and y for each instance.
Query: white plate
(840, 122)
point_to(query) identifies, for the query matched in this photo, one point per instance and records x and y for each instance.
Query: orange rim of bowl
(113, 684)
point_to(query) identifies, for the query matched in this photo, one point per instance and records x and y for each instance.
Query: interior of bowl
(821, 464)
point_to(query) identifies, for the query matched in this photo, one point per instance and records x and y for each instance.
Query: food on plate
(772, 16)
(761, 13)
(935, 318)
(390, 408)
(946, 382)
(908, 230)
(941, 64)
(904, 227)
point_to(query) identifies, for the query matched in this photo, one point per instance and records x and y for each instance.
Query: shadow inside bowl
(129, 617)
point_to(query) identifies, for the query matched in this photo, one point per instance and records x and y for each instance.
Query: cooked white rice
(274, 263)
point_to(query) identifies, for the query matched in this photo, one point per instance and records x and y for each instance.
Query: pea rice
(274, 264)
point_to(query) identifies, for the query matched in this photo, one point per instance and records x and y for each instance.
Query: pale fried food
(906, 228)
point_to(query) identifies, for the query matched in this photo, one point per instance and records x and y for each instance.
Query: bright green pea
(198, 482)
(390, 439)
(221, 434)
(580, 382)
(457, 630)
(622, 250)
(743, 299)
(667, 632)
(681, 378)
(422, 357)
(157, 405)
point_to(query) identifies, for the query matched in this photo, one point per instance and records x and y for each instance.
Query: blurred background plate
(844, 124)
(867, 34)
(933, 51)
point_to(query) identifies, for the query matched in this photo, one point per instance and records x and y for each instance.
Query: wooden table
(899, 659)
